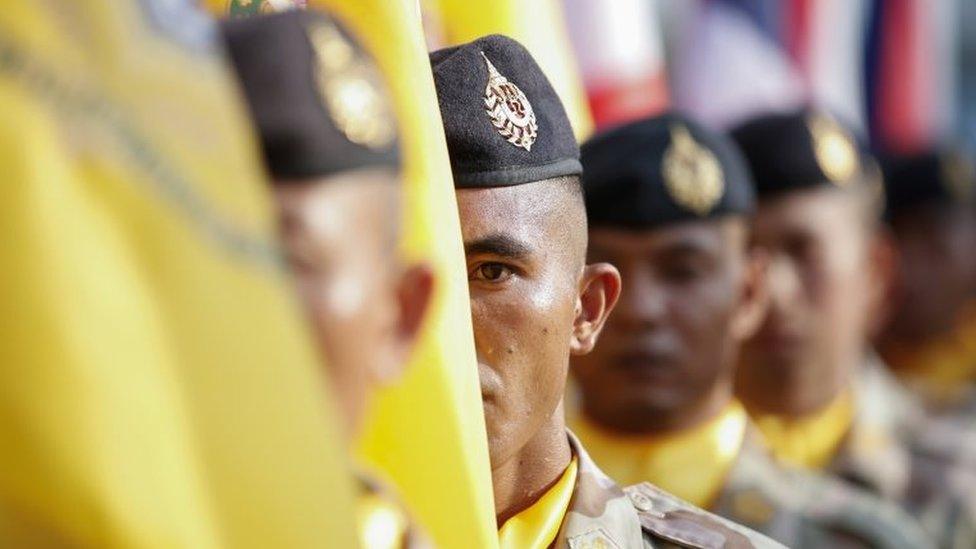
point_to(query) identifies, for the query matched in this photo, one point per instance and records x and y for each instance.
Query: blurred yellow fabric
(810, 441)
(539, 25)
(156, 387)
(942, 371)
(693, 464)
(427, 433)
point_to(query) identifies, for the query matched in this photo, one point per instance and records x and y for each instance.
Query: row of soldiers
(733, 390)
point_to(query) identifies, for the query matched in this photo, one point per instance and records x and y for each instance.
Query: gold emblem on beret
(352, 89)
(509, 110)
(692, 175)
(834, 149)
(958, 175)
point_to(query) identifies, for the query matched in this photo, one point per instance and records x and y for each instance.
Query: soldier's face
(821, 285)
(339, 234)
(937, 271)
(690, 295)
(531, 304)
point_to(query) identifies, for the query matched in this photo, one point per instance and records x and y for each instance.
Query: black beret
(801, 149)
(663, 170)
(503, 121)
(317, 99)
(936, 176)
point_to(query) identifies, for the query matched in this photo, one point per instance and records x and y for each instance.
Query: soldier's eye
(491, 272)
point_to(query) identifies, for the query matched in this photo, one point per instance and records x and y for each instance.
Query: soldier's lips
(781, 341)
(646, 365)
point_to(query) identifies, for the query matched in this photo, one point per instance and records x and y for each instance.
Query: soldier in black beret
(534, 302)
(930, 340)
(669, 203)
(329, 140)
(820, 396)
(817, 217)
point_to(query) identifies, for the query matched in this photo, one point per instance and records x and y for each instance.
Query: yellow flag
(427, 433)
(156, 385)
(540, 27)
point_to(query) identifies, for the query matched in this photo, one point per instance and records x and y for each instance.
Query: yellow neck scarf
(810, 441)
(691, 464)
(381, 523)
(537, 526)
(942, 371)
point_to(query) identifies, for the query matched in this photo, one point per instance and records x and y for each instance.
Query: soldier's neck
(660, 421)
(527, 475)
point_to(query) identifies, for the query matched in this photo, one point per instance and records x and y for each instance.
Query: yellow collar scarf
(942, 371)
(691, 464)
(537, 526)
(811, 441)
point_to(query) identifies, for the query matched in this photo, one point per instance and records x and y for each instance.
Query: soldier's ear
(754, 299)
(882, 268)
(598, 293)
(414, 290)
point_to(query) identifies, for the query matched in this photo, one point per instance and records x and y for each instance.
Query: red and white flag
(619, 49)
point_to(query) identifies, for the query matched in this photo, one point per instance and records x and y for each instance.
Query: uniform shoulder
(669, 519)
(797, 506)
(840, 510)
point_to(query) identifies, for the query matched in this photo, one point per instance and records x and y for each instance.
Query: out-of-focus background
(901, 71)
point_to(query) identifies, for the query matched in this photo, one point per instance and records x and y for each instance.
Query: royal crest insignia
(593, 539)
(958, 175)
(509, 110)
(834, 149)
(352, 89)
(692, 175)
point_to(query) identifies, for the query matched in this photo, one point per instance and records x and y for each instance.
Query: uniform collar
(599, 509)
(692, 464)
(602, 512)
(810, 441)
(873, 454)
(941, 371)
(538, 525)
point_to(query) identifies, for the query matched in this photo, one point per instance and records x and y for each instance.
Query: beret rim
(507, 177)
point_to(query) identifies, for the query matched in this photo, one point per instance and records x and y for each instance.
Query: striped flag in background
(620, 53)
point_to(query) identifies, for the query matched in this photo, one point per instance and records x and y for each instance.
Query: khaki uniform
(804, 509)
(604, 515)
(894, 451)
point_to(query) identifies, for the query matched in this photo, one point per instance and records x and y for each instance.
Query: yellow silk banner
(427, 434)
(157, 388)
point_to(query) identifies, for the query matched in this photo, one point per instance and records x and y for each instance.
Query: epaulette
(666, 517)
